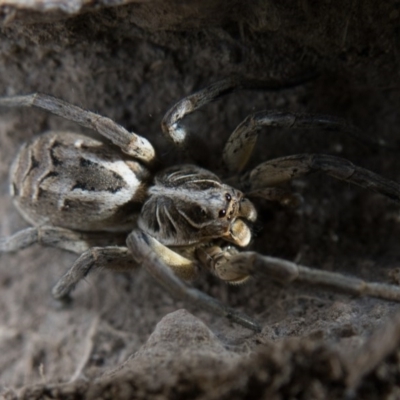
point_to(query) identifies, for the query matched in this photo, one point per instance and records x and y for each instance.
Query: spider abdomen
(73, 181)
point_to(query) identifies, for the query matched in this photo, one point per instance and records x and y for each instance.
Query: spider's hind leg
(111, 257)
(62, 238)
(115, 258)
(129, 142)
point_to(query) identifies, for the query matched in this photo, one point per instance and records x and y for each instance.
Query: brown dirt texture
(124, 337)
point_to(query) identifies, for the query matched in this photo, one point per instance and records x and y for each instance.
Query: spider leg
(170, 124)
(284, 169)
(146, 251)
(238, 267)
(240, 144)
(115, 258)
(130, 143)
(66, 239)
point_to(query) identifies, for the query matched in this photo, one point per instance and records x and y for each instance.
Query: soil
(124, 336)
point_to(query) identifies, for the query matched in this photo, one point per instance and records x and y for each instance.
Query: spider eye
(222, 213)
(228, 197)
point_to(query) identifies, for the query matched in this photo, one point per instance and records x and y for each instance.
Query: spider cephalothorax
(80, 193)
(190, 205)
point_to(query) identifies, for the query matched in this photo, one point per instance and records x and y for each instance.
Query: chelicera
(78, 193)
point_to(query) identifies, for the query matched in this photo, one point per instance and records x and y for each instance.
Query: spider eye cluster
(222, 213)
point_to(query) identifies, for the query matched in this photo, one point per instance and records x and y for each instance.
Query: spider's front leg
(234, 267)
(285, 169)
(160, 262)
(240, 144)
(171, 123)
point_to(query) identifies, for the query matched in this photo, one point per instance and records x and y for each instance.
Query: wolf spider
(79, 193)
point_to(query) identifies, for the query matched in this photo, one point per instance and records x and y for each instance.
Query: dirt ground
(126, 338)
